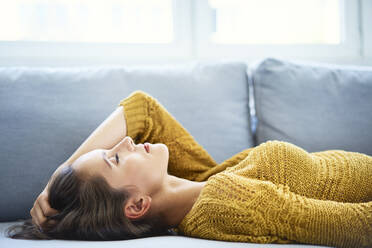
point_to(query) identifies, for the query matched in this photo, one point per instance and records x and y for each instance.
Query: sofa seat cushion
(153, 242)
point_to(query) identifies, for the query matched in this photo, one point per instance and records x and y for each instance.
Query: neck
(175, 199)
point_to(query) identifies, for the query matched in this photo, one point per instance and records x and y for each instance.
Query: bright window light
(276, 22)
(117, 21)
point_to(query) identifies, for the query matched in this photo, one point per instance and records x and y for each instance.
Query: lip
(147, 147)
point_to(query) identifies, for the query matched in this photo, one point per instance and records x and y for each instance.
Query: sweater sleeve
(236, 208)
(148, 121)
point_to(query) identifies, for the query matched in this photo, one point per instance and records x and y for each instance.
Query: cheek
(134, 168)
(115, 179)
(127, 174)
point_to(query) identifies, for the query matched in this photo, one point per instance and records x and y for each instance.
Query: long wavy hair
(88, 209)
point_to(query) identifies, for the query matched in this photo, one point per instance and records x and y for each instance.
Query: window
(276, 22)
(287, 28)
(65, 32)
(177, 30)
(121, 21)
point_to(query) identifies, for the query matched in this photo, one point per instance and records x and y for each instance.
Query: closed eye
(117, 158)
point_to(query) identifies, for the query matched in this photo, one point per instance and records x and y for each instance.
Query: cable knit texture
(275, 192)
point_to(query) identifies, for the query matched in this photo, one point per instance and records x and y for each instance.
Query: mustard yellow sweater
(275, 192)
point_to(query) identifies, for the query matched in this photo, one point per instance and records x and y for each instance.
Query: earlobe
(136, 208)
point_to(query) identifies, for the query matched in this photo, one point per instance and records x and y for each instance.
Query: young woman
(142, 174)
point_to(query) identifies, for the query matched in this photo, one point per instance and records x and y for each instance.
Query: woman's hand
(41, 209)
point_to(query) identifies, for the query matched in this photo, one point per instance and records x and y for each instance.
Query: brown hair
(88, 210)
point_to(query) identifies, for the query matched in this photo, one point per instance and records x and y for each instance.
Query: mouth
(147, 147)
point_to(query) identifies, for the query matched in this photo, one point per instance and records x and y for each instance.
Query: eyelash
(117, 158)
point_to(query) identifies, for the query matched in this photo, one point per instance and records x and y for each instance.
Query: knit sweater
(275, 192)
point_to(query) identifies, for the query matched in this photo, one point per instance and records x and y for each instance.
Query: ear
(137, 207)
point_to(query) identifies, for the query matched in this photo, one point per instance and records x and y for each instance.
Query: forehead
(91, 161)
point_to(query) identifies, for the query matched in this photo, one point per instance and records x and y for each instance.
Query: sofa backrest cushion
(41, 121)
(316, 106)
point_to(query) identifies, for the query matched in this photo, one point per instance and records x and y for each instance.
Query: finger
(40, 218)
(35, 221)
(32, 213)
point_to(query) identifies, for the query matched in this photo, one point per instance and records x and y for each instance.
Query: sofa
(227, 105)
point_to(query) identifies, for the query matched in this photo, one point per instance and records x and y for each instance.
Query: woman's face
(136, 166)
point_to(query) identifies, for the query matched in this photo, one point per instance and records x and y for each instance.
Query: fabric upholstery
(312, 105)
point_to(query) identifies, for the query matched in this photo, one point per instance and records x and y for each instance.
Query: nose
(129, 139)
(130, 142)
(127, 143)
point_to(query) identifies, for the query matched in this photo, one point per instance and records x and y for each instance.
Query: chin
(162, 147)
(165, 151)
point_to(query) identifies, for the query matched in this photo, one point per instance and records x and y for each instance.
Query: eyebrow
(106, 160)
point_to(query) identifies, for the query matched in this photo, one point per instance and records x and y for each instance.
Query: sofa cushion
(315, 106)
(46, 113)
(168, 241)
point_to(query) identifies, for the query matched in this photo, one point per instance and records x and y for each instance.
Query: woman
(112, 188)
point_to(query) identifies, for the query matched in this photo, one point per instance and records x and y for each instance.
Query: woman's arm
(106, 135)
(110, 132)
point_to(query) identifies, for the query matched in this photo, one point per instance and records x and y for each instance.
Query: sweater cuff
(136, 112)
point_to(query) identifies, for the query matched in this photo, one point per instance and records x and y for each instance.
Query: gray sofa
(228, 106)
